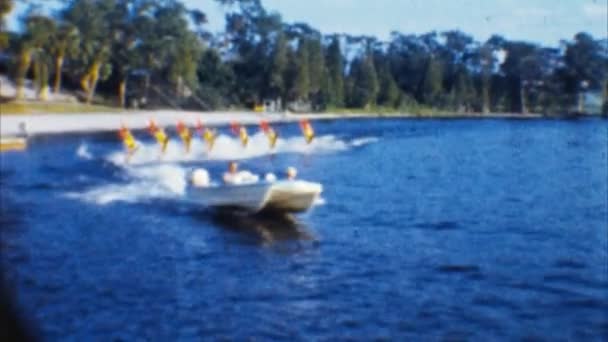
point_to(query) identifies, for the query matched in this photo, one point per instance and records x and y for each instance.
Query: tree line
(159, 53)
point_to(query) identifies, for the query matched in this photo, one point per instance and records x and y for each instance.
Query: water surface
(457, 229)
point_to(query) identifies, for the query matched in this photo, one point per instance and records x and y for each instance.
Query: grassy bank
(21, 108)
(16, 108)
(389, 111)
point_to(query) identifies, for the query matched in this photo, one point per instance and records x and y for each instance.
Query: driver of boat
(231, 177)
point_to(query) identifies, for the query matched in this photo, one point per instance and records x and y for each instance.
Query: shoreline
(111, 121)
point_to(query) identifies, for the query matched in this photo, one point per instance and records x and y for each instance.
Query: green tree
(586, 66)
(335, 67)
(463, 90)
(432, 85)
(522, 70)
(277, 83)
(6, 6)
(216, 80)
(40, 29)
(316, 64)
(64, 43)
(365, 82)
(92, 18)
(302, 81)
(389, 92)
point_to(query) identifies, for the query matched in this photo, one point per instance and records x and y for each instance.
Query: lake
(427, 229)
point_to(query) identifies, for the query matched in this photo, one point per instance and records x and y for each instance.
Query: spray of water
(83, 152)
(146, 182)
(227, 148)
(151, 175)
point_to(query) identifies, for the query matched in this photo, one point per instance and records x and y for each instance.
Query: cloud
(596, 10)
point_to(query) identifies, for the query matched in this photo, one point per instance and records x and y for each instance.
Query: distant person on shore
(22, 130)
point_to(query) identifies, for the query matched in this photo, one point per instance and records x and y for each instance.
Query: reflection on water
(268, 228)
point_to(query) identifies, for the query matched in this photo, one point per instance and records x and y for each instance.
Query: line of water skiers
(207, 134)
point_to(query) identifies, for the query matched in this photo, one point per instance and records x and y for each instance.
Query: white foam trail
(363, 141)
(149, 179)
(319, 201)
(83, 152)
(160, 181)
(230, 148)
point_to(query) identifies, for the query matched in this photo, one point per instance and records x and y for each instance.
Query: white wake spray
(146, 182)
(83, 152)
(152, 175)
(227, 148)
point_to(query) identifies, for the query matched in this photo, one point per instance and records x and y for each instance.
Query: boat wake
(83, 152)
(229, 148)
(143, 183)
(147, 176)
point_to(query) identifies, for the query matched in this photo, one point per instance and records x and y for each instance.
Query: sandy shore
(86, 122)
(61, 123)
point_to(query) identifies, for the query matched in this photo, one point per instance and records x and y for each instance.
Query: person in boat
(231, 176)
(159, 134)
(291, 173)
(271, 134)
(207, 134)
(307, 131)
(234, 176)
(184, 134)
(200, 178)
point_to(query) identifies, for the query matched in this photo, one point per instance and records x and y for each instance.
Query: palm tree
(64, 43)
(41, 30)
(92, 20)
(6, 6)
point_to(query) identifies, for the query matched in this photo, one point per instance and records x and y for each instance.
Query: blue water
(428, 229)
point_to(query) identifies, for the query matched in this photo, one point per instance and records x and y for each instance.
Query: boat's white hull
(282, 196)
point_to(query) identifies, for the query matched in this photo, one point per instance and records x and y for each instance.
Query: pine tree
(388, 94)
(335, 69)
(365, 83)
(432, 83)
(302, 83)
(279, 66)
(316, 65)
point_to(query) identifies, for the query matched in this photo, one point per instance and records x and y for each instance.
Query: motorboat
(283, 196)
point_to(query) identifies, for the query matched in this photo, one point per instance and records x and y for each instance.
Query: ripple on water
(440, 225)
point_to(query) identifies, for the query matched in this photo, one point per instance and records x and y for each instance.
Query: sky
(539, 21)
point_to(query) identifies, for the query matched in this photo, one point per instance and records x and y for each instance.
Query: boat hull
(282, 197)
